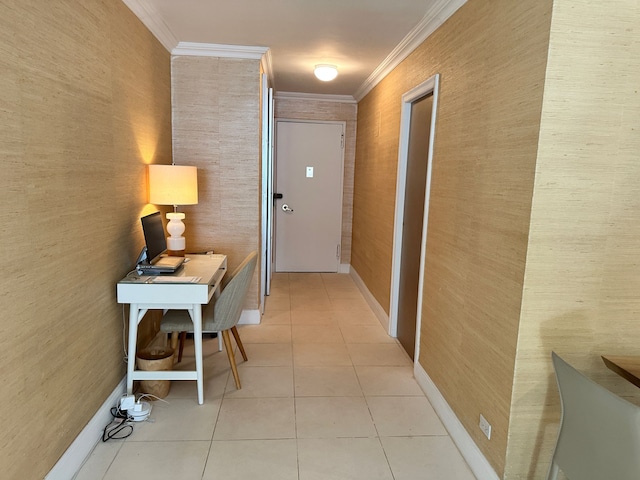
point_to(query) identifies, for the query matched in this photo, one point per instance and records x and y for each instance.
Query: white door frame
(428, 86)
(267, 190)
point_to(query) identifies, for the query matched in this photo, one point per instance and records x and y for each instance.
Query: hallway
(326, 395)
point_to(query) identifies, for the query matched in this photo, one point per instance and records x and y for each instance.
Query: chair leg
(183, 338)
(234, 330)
(173, 343)
(174, 339)
(232, 359)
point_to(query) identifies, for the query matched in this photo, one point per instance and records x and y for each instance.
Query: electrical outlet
(485, 426)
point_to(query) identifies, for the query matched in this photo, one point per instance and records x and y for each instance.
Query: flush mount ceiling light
(326, 73)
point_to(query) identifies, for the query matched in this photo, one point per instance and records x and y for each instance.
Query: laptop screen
(154, 236)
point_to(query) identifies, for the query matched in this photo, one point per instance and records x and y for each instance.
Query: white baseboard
(82, 446)
(249, 317)
(478, 463)
(373, 303)
(79, 450)
(344, 268)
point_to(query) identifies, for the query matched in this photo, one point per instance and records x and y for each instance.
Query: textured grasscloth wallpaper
(582, 282)
(84, 105)
(491, 58)
(216, 127)
(533, 233)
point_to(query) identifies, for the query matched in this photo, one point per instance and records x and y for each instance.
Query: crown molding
(434, 18)
(228, 51)
(150, 17)
(219, 50)
(267, 66)
(318, 97)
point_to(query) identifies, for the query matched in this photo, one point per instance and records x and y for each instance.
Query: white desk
(142, 294)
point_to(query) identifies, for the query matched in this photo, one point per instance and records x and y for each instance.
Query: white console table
(171, 292)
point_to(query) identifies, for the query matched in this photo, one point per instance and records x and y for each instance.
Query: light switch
(309, 172)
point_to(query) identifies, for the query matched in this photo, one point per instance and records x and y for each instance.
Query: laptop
(156, 261)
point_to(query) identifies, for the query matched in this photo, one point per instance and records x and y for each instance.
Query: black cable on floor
(120, 427)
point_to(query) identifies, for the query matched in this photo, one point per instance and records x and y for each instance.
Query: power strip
(140, 411)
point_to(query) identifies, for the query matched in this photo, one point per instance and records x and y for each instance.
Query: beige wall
(582, 283)
(291, 108)
(374, 186)
(84, 105)
(491, 57)
(216, 127)
(533, 233)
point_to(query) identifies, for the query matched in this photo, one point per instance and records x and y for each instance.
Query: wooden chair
(221, 314)
(599, 435)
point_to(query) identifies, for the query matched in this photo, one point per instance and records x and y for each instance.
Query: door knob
(285, 208)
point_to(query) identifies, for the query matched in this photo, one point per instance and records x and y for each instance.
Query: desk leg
(134, 313)
(196, 318)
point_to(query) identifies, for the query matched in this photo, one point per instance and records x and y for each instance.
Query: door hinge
(338, 252)
(342, 141)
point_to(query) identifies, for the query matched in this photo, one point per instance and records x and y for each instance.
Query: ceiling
(364, 38)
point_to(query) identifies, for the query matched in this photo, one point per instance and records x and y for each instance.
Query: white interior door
(308, 217)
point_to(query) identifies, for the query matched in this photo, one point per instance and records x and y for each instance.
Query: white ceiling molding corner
(151, 18)
(434, 18)
(267, 66)
(316, 97)
(219, 50)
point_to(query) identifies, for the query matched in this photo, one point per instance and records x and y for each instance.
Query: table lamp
(174, 185)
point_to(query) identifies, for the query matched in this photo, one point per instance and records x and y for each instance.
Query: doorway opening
(417, 127)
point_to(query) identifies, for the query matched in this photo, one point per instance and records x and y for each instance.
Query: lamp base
(175, 228)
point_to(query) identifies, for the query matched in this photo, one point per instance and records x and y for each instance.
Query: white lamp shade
(173, 185)
(326, 73)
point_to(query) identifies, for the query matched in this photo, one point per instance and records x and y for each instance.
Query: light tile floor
(326, 395)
